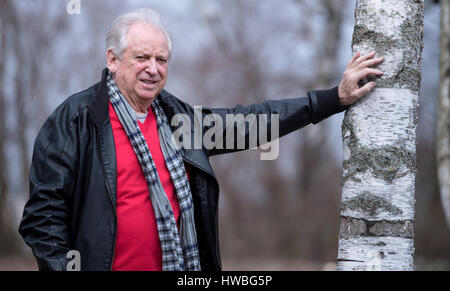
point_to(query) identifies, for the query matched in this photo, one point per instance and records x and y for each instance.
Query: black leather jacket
(72, 203)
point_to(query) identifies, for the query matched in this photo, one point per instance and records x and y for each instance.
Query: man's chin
(148, 96)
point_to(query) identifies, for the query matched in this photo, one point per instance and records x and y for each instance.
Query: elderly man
(107, 179)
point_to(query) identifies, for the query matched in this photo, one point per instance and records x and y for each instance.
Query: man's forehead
(144, 37)
(139, 48)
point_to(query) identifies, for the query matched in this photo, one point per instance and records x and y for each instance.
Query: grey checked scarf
(179, 253)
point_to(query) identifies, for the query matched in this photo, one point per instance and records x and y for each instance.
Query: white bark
(443, 122)
(374, 250)
(379, 135)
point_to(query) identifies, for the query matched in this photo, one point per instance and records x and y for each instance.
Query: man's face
(142, 71)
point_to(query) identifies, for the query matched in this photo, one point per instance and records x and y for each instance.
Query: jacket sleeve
(45, 221)
(293, 114)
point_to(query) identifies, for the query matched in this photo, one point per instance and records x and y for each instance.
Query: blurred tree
(8, 236)
(26, 30)
(313, 150)
(245, 52)
(377, 208)
(318, 202)
(443, 122)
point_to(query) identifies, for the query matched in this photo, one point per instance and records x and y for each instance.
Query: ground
(250, 264)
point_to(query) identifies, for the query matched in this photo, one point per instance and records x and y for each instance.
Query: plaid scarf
(179, 253)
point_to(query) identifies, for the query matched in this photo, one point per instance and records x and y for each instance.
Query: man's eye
(162, 60)
(140, 58)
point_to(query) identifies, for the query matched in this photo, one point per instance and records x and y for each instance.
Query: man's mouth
(149, 82)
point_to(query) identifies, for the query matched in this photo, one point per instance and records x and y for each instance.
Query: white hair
(116, 38)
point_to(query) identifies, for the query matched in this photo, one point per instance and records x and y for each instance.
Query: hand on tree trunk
(358, 69)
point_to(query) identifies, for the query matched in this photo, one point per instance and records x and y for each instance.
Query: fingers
(364, 89)
(363, 58)
(353, 59)
(364, 61)
(358, 68)
(370, 63)
(366, 72)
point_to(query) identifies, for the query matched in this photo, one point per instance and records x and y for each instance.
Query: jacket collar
(99, 110)
(99, 107)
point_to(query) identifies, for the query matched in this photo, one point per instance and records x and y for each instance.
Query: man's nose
(151, 67)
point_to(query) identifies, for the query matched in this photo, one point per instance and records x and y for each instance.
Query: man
(107, 179)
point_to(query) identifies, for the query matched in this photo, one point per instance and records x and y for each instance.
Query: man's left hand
(357, 69)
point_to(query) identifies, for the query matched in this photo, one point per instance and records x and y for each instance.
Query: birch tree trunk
(379, 136)
(443, 121)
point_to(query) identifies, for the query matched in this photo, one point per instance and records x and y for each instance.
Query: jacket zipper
(110, 199)
(217, 214)
(115, 226)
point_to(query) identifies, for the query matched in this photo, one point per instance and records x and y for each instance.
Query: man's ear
(111, 60)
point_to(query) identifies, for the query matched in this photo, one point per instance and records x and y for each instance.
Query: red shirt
(137, 242)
